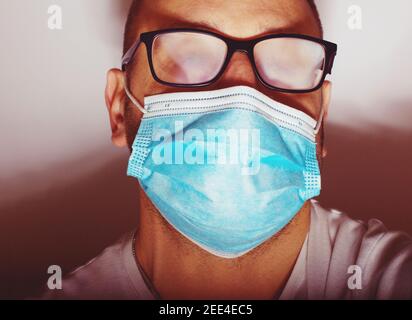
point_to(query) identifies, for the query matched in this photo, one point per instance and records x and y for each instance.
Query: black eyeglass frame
(246, 46)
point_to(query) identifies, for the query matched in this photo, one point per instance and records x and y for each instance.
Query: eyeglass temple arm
(128, 56)
(331, 61)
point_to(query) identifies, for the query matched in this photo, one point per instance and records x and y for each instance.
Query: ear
(115, 102)
(326, 93)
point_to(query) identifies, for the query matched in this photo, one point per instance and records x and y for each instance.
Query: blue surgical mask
(229, 168)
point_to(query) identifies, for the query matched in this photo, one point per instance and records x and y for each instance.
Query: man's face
(244, 20)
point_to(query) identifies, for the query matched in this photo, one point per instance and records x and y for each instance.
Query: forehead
(238, 18)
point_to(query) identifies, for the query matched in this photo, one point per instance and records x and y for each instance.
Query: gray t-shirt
(341, 258)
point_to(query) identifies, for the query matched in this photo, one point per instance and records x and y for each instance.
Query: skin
(177, 268)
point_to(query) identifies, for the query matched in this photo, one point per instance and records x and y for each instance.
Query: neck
(179, 269)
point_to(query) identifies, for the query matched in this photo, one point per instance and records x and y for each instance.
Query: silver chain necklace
(144, 276)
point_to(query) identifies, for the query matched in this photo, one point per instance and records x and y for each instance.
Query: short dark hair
(134, 8)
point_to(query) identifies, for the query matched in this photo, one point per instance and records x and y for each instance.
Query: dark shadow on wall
(366, 174)
(66, 225)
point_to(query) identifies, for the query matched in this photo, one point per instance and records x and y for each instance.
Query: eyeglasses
(292, 63)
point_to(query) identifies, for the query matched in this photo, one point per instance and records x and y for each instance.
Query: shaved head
(132, 23)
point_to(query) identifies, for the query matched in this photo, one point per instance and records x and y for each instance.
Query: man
(207, 231)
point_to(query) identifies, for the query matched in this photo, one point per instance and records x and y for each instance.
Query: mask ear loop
(319, 123)
(130, 95)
